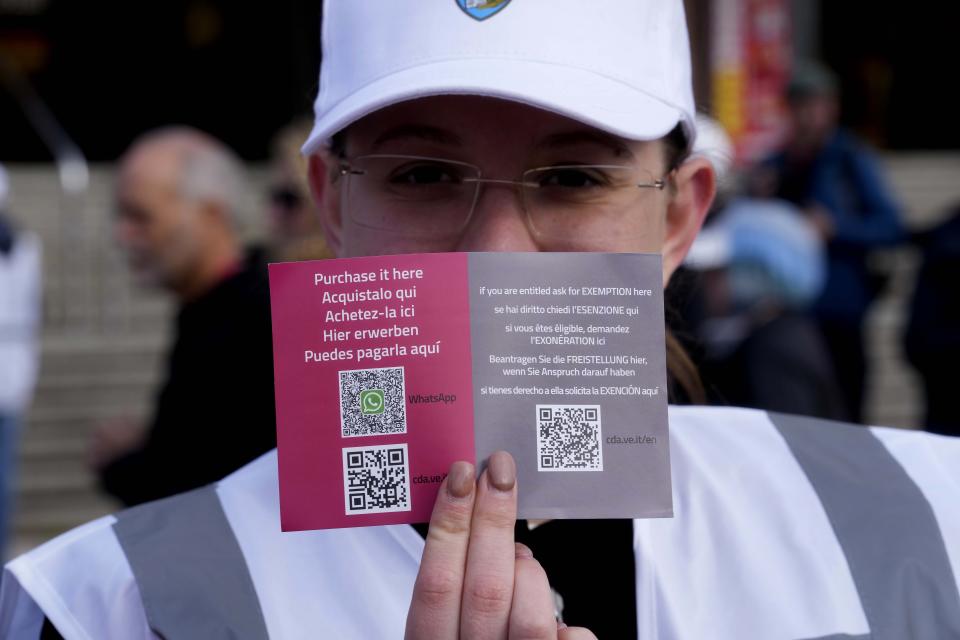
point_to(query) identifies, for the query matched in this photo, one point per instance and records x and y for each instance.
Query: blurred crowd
(772, 304)
(782, 277)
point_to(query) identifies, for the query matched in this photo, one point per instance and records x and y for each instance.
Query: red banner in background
(750, 68)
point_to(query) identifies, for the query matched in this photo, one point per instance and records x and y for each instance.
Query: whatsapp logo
(371, 401)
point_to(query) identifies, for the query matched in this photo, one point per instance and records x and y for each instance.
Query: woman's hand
(475, 581)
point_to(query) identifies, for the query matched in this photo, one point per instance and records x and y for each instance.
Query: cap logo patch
(482, 9)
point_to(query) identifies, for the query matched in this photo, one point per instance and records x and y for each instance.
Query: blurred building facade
(110, 69)
(885, 56)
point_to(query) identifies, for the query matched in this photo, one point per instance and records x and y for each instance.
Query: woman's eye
(424, 175)
(571, 178)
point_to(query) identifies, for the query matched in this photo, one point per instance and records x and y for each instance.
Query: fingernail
(501, 471)
(522, 551)
(561, 625)
(460, 479)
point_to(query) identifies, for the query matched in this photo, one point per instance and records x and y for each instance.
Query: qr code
(372, 402)
(376, 479)
(569, 438)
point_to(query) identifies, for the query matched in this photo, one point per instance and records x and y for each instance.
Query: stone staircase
(82, 382)
(104, 340)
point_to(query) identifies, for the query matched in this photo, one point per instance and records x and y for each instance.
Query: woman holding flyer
(453, 125)
(483, 150)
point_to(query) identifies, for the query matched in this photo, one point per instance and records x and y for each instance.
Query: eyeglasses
(434, 198)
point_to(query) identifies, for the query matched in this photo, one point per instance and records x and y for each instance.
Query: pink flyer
(389, 368)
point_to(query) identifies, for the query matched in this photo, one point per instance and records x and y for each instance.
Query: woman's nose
(498, 223)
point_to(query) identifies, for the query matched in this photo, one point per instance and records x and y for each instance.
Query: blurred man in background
(836, 183)
(19, 323)
(177, 197)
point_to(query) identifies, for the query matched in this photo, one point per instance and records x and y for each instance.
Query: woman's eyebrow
(570, 138)
(417, 132)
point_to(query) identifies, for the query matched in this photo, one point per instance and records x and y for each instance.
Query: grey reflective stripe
(189, 569)
(885, 526)
(842, 636)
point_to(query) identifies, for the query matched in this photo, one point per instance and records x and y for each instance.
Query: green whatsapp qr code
(372, 402)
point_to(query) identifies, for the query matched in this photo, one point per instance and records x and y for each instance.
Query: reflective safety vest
(785, 528)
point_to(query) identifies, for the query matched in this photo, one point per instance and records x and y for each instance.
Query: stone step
(99, 378)
(48, 446)
(58, 341)
(56, 452)
(92, 320)
(42, 519)
(70, 477)
(61, 353)
(84, 398)
(82, 299)
(104, 371)
(53, 421)
(64, 463)
(44, 424)
(34, 526)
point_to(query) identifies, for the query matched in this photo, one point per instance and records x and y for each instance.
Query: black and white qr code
(376, 479)
(372, 402)
(569, 438)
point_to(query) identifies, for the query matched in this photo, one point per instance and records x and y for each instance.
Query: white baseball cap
(622, 66)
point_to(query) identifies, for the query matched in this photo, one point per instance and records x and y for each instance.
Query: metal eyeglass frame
(346, 170)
